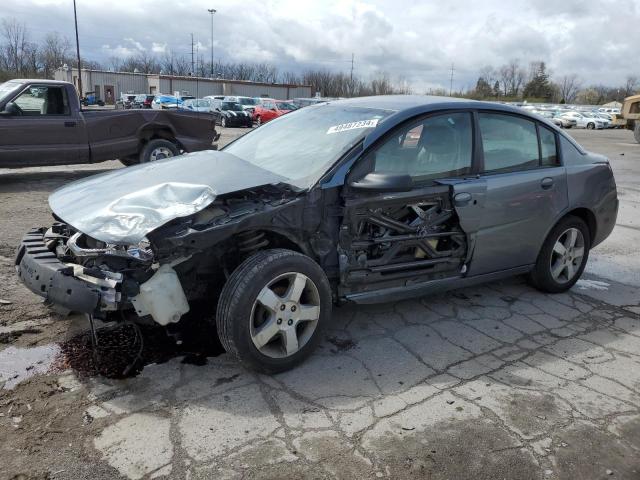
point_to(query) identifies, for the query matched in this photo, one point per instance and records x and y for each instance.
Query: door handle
(70, 124)
(546, 183)
(461, 199)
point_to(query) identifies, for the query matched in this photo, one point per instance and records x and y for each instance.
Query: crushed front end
(74, 272)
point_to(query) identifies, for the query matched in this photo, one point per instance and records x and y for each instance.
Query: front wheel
(563, 256)
(591, 126)
(273, 309)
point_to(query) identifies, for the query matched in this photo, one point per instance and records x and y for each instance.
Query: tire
(157, 150)
(258, 121)
(591, 126)
(223, 122)
(241, 319)
(549, 259)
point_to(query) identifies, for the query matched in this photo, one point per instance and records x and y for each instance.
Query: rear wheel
(563, 256)
(157, 150)
(273, 309)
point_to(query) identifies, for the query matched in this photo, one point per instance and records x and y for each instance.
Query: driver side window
(43, 100)
(435, 147)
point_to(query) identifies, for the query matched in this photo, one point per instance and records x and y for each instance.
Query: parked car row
(568, 117)
(229, 110)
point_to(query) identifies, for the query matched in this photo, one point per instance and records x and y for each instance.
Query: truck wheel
(157, 150)
(636, 132)
(563, 256)
(273, 309)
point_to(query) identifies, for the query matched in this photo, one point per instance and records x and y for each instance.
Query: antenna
(193, 68)
(352, 56)
(451, 80)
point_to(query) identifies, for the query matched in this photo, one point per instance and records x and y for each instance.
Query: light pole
(211, 11)
(75, 17)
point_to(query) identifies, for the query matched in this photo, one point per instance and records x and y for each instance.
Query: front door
(42, 129)
(526, 190)
(391, 239)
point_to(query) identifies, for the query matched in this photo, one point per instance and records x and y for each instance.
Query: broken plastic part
(162, 297)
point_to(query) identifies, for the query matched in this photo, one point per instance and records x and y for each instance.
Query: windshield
(236, 107)
(285, 106)
(302, 145)
(202, 103)
(8, 87)
(248, 101)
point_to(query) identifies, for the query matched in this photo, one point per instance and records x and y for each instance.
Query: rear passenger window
(548, 150)
(509, 142)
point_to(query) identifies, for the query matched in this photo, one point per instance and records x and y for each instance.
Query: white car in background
(585, 120)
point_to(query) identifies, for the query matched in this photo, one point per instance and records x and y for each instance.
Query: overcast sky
(597, 39)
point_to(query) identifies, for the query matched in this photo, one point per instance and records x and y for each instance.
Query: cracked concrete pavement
(497, 381)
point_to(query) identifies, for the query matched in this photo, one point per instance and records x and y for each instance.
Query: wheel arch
(152, 131)
(583, 213)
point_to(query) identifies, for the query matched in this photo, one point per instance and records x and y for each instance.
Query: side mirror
(10, 109)
(384, 182)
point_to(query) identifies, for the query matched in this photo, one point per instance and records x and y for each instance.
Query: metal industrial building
(108, 86)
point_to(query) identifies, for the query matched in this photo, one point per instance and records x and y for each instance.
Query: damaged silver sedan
(364, 200)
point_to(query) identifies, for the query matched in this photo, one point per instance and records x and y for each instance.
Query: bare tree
(54, 53)
(631, 85)
(568, 88)
(15, 45)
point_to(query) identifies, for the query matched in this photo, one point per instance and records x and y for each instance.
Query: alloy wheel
(567, 255)
(285, 315)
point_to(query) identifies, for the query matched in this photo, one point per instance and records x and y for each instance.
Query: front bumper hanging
(67, 287)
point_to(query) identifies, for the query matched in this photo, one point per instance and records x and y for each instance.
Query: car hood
(124, 205)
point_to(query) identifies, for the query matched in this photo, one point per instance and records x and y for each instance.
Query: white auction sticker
(353, 125)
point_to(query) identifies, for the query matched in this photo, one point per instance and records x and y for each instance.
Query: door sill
(393, 294)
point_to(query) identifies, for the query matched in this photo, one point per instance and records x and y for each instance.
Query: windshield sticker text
(353, 125)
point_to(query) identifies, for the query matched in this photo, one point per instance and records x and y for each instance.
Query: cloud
(415, 40)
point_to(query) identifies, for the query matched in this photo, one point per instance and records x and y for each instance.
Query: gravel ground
(498, 381)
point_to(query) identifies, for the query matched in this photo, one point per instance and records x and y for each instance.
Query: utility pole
(193, 65)
(211, 11)
(351, 77)
(75, 17)
(451, 80)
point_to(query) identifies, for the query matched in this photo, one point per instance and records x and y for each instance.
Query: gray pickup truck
(42, 123)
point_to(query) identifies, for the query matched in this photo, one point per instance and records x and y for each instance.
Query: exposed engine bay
(185, 261)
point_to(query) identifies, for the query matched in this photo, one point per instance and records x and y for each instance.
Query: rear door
(526, 190)
(46, 132)
(399, 238)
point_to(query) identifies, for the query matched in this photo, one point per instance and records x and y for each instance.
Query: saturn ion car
(363, 200)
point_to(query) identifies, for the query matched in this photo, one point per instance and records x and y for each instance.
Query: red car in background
(269, 109)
